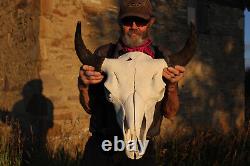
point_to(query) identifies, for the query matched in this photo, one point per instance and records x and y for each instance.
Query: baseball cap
(136, 8)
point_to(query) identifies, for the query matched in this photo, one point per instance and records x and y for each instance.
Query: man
(135, 20)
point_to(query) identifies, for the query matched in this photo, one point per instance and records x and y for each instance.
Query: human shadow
(31, 117)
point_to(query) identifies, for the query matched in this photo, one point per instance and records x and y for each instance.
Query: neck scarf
(145, 48)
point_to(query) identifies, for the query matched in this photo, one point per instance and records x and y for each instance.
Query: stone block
(46, 7)
(63, 116)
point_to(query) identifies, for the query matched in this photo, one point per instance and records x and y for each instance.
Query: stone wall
(19, 53)
(37, 43)
(60, 65)
(212, 94)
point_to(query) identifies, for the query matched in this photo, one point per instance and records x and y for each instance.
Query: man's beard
(138, 40)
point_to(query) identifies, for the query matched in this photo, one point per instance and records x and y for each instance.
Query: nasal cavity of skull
(138, 145)
(143, 127)
(125, 125)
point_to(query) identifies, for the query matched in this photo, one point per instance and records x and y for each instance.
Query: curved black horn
(85, 56)
(185, 55)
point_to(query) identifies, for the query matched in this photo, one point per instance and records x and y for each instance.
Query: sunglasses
(128, 21)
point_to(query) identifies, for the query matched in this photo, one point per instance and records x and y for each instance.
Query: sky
(247, 39)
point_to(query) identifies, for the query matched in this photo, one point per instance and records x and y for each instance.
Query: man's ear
(151, 21)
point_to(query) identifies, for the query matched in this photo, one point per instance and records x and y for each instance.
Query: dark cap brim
(135, 14)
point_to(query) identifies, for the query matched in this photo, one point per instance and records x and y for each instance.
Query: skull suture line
(134, 84)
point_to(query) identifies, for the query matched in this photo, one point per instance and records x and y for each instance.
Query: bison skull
(134, 84)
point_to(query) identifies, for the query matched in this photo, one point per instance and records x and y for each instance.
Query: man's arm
(84, 96)
(171, 102)
(87, 76)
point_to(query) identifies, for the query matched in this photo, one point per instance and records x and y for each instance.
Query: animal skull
(134, 85)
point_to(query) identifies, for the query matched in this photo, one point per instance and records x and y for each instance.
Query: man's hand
(88, 75)
(173, 74)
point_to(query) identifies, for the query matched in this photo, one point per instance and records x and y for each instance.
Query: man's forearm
(171, 103)
(84, 99)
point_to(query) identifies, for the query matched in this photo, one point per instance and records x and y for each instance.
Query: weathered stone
(63, 116)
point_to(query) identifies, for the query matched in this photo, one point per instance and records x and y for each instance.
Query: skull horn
(84, 55)
(185, 55)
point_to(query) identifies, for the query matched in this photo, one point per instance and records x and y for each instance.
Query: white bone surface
(134, 85)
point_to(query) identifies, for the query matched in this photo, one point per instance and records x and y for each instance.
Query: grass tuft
(205, 148)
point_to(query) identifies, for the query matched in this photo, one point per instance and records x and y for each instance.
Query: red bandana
(145, 48)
